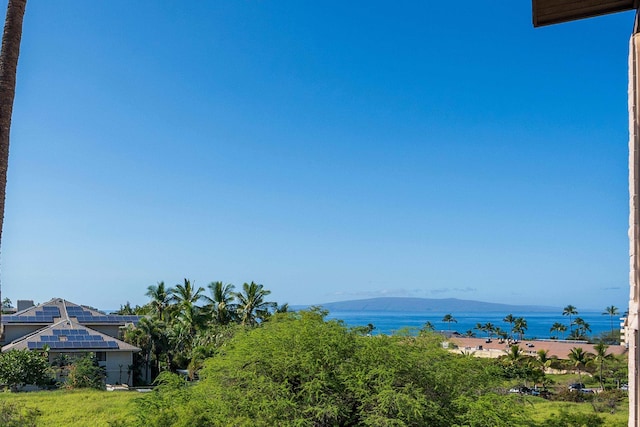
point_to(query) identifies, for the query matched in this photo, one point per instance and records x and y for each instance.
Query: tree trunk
(8, 66)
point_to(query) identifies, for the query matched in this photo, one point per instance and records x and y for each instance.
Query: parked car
(576, 386)
(520, 389)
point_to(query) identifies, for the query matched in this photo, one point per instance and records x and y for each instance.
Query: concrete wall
(117, 365)
(111, 330)
(13, 332)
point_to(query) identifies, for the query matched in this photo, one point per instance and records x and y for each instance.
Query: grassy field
(542, 409)
(92, 408)
(87, 408)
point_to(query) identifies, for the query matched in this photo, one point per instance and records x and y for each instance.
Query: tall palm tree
(11, 38)
(252, 305)
(186, 295)
(160, 298)
(509, 318)
(570, 311)
(579, 358)
(612, 310)
(221, 306)
(448, 318)
(600, 357)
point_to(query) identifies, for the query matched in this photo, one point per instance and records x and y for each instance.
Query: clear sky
(329, 150)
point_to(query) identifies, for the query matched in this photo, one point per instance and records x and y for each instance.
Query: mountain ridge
(427, 305)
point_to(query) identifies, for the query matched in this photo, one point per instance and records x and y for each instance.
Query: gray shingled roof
(58, 308)
(67, 336)
(65, 328)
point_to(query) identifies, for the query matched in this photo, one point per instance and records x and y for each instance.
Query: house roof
(67, 336)
(546, 12)
(60, 309)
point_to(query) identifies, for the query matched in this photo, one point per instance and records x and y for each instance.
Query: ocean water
(538, 323)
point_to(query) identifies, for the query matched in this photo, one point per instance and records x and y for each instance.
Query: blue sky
(328, 150)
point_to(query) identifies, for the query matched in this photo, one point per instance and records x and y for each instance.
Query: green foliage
(75, 408)
(85, 372)
(573, 419)
(21, 367)
(157, 408)
(491, 410)
(15, 415)
(300, 369)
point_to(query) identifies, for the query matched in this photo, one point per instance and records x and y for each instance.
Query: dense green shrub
(85, 372)
(299, 369)
(22, 367)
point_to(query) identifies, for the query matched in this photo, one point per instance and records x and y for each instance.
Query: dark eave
(547, 12)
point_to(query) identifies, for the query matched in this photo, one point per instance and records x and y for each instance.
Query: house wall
(117, 365)
(14, 332)
(111, 330)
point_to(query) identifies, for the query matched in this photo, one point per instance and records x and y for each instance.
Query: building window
(101, 356)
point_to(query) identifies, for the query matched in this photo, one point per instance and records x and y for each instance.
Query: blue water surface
(538, 323)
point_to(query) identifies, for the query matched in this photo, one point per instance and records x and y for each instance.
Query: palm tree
(562, 329)
(520, 327)
(479, 326)
(600, 357)
(221, 306)
(612, 310)
(579, 358)
(543, 359)
(283, 308)
(160, 298)
(8, 66)
(448, 318)
(583, 328)
(428, 326)
(251, 304)
(515, 354)
(501, 333)
(509, 319)
(186, 295)
(185, 298)
(570, 311)
(555, 327)
(489, 329)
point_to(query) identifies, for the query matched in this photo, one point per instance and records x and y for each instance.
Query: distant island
(430, 305)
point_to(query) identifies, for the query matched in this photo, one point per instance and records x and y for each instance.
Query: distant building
(63, 327)
(482, 347)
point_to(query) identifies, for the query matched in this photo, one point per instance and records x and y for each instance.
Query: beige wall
(117, 365)
(13, 332)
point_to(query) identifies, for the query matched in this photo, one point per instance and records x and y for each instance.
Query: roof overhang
(547, 12)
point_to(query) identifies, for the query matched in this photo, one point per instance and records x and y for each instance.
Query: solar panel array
(73, 339)
(44, 314)
(86, 316)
